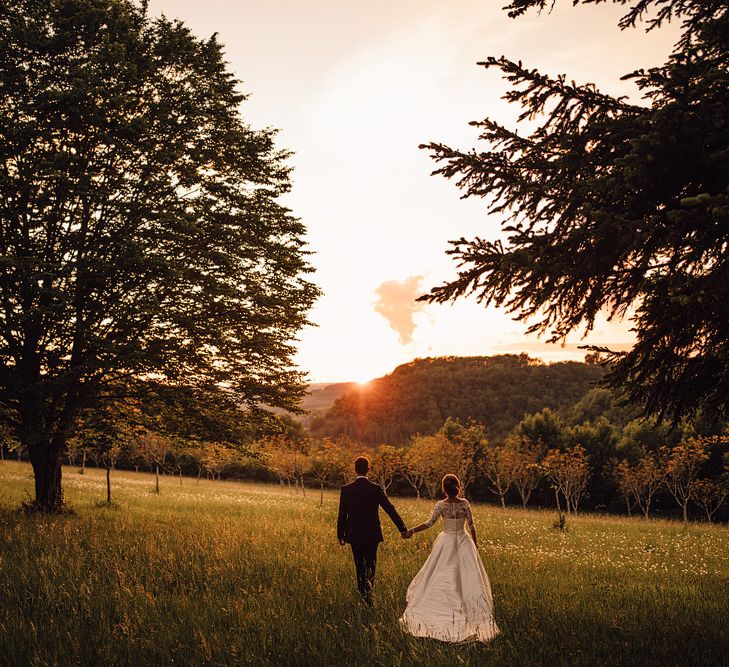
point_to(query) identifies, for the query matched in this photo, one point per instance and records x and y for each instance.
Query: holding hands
(406, 535)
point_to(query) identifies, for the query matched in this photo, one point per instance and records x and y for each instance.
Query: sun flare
(362, 379)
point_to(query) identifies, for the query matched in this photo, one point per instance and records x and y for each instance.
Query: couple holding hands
(450, 597)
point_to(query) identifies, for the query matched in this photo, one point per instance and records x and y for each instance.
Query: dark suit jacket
(359, 519)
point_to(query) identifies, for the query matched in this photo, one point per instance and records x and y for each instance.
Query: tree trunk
(503, 504)
(559, 506)
(2, 453)
(108, 485)
(46, 461)
(685, 514)
(199, 472)
(83, 463)
(321, 496)
(156, 479)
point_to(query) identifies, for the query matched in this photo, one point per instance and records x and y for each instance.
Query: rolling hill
(417, 397)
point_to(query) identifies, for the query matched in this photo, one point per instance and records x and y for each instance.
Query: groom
(359, 523)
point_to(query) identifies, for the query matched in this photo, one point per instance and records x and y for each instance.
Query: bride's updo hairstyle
(451, 486)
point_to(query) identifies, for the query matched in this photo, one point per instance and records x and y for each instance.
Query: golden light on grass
(226, 573)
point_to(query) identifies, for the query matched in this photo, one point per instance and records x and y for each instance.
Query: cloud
(537, 346)
(551, 352)
(396, 303)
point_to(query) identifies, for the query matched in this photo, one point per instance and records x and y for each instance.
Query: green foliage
(646, 435)
(600, 402)
(611, 206)
(600, 440)
(418, 397)
(545, 427)
(141, 240)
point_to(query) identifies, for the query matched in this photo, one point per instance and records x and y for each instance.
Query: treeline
(416, 398)
(585, 451)
(545, 460)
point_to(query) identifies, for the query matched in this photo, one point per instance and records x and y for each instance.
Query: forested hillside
(417, 397)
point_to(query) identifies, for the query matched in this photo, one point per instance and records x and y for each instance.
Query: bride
(450, 597)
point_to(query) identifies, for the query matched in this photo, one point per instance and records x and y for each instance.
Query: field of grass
(227, 573)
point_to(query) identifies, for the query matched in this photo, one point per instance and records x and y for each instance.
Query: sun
(362, 379)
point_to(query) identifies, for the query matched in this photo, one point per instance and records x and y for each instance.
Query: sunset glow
(354, 109)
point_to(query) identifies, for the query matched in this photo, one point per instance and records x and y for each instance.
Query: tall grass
(226, 573)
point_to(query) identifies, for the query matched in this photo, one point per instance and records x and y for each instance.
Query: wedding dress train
(450, 597)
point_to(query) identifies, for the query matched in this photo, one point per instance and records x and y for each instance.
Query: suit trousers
(365, 560)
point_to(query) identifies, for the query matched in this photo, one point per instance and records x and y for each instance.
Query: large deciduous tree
(141, 237)
(618, 207)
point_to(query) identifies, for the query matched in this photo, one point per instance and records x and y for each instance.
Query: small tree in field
(73, 451)
(8, 441)
(554, 467)
(709, 495)
(281, 463)
(498, 466)
(413, 470)
(301, 462)
(154, 449)
(526, 473)
(623, 475)
(5, 434)
(568, 473)
(214, 457)
(429, 455)
(348, 450)
(387, 463)
(648, 477)
(579, 476)
(455, 448)
(466, 445)
(105, 435)
(288, 458)
(324, 464)
(683, 465)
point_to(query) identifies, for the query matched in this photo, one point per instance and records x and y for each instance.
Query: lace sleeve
(437, 511)
(469, 517)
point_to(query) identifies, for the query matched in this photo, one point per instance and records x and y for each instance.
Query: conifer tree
(618, 207)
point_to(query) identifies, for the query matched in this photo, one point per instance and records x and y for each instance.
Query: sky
(355, 87)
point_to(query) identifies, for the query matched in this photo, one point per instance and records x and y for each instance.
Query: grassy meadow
(225, 573)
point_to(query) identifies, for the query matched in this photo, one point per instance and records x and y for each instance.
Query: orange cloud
(396, 303)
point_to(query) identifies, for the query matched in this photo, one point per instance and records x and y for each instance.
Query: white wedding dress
(450, 597)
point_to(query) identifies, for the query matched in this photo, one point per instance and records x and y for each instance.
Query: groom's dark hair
(361, 465)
